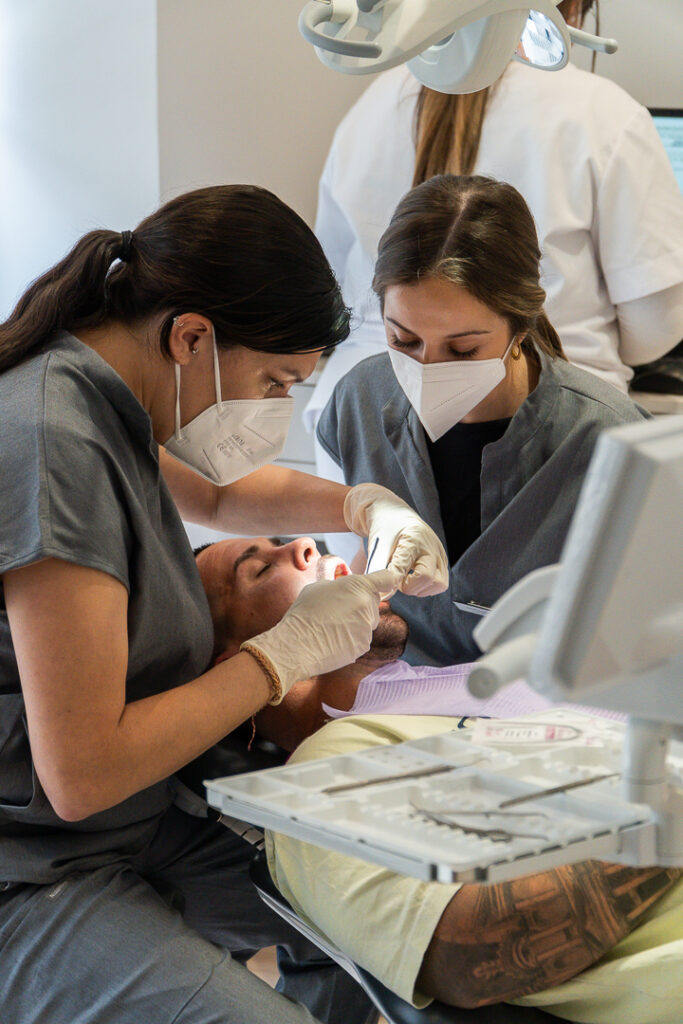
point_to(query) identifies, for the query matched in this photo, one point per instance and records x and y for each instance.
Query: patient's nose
(302, 551)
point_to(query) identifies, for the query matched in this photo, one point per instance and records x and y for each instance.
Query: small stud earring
(194, 350)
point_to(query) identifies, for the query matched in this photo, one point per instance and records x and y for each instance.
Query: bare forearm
(155, 737)
(272, 500)
(91, 748)
(281, 501)
(500, 942)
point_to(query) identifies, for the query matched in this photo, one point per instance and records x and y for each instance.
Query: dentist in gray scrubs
(473, 415)
(116, 905)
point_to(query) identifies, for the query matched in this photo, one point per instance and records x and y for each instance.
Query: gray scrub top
(81, 482)
(530, 483)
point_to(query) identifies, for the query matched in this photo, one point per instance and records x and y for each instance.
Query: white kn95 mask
(442, 393)
(230, 439)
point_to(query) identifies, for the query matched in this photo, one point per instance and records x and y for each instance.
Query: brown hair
(448, 127)
(479, 234)
(235, 253)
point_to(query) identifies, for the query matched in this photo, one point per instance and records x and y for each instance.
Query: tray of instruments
(486, 803)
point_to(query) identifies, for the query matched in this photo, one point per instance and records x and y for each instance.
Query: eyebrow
(451, 337)
(249, 552)
(253, 550)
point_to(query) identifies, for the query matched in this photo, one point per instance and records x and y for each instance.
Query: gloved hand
(329, 625)
(399, 538)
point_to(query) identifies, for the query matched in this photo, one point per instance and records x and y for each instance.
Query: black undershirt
(456, 464)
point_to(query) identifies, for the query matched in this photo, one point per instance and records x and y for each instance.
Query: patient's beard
(389, 638)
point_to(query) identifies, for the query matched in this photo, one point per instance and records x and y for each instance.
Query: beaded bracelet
(268, 668)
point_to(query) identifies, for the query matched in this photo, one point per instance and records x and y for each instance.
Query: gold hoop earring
(516, 351)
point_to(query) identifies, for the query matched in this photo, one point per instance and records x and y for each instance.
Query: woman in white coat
(588, 161)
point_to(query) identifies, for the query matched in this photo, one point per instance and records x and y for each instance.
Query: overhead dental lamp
(452, 46)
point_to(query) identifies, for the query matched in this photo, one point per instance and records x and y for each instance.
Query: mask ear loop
(178, 435)
(511, 349)
(217, 372)
(178, 432)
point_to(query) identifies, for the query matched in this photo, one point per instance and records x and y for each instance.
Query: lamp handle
(317, 12)
(599, 43)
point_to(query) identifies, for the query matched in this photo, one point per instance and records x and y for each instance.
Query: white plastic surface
(464, 774)
(612, 631)
(450, 45)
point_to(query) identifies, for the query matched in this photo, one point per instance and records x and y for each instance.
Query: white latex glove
(329, 625)
(397, 537)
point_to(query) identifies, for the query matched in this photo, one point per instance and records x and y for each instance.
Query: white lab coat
(587, 159)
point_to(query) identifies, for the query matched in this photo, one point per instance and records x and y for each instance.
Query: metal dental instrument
(556, 789)
(371, 555)
(419, 773)
(446, 811)
(495, 834)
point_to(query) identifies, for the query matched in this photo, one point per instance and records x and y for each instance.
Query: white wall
(243, 98)
(648, 63)
(78, 127)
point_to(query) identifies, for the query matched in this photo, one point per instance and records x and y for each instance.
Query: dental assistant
(187, 332)
(473, 415)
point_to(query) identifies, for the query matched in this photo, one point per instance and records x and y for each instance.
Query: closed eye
(398, 343)
(464, 354)
(405, 345)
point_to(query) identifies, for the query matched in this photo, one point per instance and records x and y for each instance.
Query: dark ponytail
(234, 253)
(70, 293)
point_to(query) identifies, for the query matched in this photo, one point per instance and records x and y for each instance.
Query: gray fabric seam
(202, 986)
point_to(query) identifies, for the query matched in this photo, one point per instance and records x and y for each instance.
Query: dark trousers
(161, 938)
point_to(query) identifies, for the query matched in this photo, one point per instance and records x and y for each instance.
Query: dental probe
(419, 774)
(371, 555)
(556, 789)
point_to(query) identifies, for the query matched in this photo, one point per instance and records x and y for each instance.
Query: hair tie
(126, 243)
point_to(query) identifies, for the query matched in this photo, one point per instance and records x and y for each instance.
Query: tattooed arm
(499, 942)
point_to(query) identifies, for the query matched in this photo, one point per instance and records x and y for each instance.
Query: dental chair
(391, 1006)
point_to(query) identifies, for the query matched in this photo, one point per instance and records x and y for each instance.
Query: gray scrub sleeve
(326, 431)
(61, 495)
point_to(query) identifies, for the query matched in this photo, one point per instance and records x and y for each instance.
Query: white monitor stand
(605, 626)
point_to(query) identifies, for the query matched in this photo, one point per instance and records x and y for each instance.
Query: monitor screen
(669, 124)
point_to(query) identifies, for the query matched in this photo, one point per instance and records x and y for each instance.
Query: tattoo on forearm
(502, 941)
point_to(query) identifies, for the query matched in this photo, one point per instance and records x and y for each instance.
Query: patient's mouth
(331, 567)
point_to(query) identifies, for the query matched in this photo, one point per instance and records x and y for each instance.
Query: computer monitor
(612, 630)
(669, 123)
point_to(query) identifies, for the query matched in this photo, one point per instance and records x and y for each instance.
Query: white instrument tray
(357, 805)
